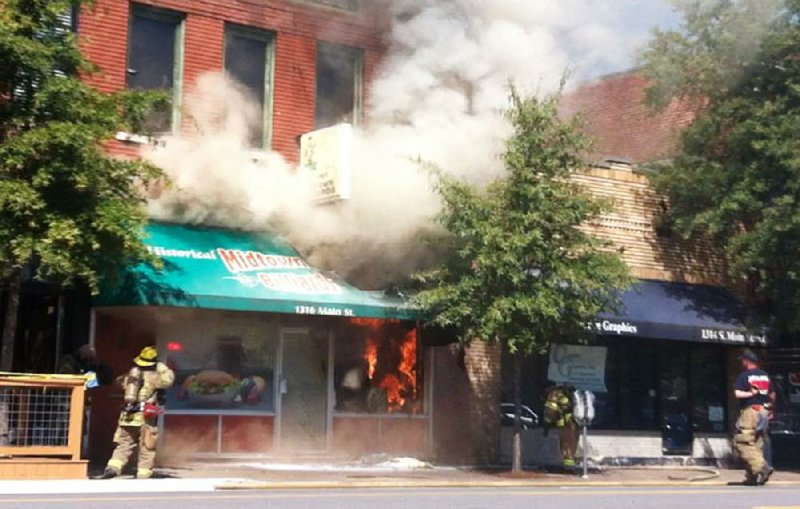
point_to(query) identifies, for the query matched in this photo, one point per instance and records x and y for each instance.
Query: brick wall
(482, 362)
(631, 228)
(298, 26)
(619, 122)
(451, 403)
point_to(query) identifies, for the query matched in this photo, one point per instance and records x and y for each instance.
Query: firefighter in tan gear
(752, 389)
(144, 386)
(559, 406)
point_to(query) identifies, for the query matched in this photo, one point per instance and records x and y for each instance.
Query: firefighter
(144, 387)
(752, 389)
(559, 406)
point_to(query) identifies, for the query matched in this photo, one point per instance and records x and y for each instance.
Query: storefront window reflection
(378, 368)
(707, 375)
(223, 363)
(646, 383)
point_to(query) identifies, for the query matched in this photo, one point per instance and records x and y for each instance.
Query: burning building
(273, 355)
(265, 369)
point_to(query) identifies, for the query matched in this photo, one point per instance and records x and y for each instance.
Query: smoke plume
(437, 98)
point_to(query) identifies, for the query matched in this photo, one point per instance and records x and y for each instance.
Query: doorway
(676, 423)
(303, 388)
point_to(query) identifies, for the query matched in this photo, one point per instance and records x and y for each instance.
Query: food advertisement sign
(220, 376)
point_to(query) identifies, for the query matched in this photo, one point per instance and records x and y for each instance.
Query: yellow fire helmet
(147, 357)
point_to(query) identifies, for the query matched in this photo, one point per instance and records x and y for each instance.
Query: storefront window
(223, 362)
(648, 381)
(637, 387)
(378, 368)
(707, 384)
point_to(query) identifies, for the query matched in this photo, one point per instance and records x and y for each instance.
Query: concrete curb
(422, 484)
(113, 486)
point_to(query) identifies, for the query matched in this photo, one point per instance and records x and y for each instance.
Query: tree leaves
(736, 176)
(522, 271)
(67, 209)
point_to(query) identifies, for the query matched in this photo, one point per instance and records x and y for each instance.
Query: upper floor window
(248, 61)
(155, 47)
(339, 85)
(348, 5)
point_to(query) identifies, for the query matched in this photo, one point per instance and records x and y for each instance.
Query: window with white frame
(155, 45)
(248, 61)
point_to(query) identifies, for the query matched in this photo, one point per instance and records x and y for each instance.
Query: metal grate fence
(40, 416)
(34, 416)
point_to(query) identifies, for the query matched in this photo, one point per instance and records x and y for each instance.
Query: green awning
(224, 269)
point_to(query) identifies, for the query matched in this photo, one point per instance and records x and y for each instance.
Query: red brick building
(623, 128)
(274, 48)
(306, 64)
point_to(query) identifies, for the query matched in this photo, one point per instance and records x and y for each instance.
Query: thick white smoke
(437, 98)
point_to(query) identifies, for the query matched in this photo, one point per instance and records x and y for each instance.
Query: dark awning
(679, 311)
(214, 268)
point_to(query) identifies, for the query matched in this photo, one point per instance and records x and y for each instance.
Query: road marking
(382, 493)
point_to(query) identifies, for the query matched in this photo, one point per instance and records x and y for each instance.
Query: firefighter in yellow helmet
(559, 405)
(144, 387)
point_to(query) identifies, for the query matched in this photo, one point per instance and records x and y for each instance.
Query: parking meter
(579, 410)
(584, 414)
(584, 407)
(589, 395)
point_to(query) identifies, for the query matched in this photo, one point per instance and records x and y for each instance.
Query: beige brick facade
(631, 227)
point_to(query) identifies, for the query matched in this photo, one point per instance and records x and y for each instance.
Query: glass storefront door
(303, 391)
(676, 422)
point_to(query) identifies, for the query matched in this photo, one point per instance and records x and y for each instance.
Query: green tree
(736, 175)
(68, 211)
(523, 270)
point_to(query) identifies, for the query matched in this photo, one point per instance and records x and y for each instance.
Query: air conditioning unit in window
(261, 157)
(140, 139)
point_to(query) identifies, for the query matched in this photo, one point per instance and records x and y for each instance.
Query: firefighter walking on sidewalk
(559, 407)
(753, 389)
(144, 387)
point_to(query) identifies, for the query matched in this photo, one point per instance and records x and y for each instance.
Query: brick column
(482, 361)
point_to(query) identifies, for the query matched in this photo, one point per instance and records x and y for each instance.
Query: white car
(528, 417)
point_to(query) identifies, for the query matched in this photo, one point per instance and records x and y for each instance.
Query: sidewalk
(268, 477)
(198, 478)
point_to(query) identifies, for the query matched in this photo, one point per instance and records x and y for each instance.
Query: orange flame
(408, 364)
(391, 384)
(399, 381)
(371, 356)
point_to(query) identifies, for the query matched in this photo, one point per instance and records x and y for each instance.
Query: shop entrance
(303, 379)
(676, 422)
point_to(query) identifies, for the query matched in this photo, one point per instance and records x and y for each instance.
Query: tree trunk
(10, 325)
(516, 454)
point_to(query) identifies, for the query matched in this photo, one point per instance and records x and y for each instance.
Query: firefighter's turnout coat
(137, 425)
(559, 406)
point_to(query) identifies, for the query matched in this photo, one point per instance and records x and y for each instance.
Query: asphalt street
(730, 497)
